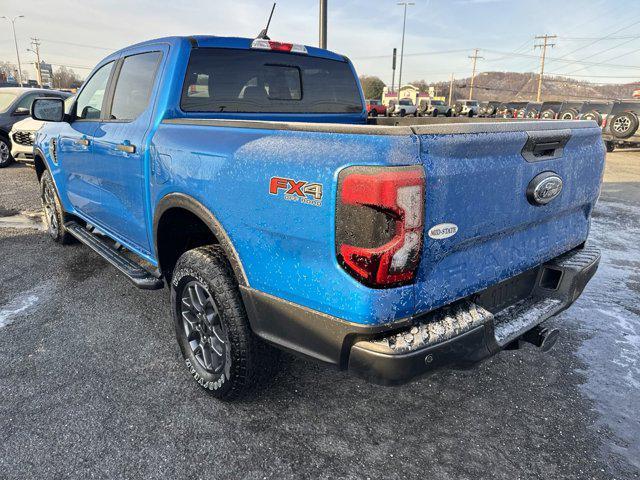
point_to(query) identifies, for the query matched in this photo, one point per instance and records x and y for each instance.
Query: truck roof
(213, 41)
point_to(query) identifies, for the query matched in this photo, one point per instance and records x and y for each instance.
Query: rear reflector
(379, 223)
(262, 44)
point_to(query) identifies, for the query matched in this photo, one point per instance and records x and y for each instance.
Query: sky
(440, 34)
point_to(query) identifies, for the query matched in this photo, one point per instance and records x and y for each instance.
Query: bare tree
(9, 69)
(64, 77)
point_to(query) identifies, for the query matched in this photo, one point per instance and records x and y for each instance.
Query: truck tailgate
(477, 181)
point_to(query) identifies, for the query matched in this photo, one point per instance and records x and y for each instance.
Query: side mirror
(21, 111)
(48, 109)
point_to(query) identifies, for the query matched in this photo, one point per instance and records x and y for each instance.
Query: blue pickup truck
(245, 176)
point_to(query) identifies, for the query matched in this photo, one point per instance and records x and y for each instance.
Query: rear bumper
(457, 335)
(467, 332)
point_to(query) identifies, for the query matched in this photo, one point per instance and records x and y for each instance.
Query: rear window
(248, 81)
(406, 102)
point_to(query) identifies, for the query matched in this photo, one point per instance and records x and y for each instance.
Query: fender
(180, 200)
(37, 152)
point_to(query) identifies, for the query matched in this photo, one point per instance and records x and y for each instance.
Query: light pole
(404, 25)
(15, 40)
(323, 24)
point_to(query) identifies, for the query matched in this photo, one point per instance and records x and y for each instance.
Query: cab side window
(135, 82)
(89, 104)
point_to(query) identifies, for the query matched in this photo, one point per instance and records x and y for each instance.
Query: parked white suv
(466, 108)
(22, 135)
(405, 107)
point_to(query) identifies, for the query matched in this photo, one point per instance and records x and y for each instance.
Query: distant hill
(506, 86)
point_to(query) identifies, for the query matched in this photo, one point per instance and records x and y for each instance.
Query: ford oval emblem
(543, 188)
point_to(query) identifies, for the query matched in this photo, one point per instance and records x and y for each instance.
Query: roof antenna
(263, 34)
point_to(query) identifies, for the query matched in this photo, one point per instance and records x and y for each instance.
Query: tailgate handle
(545, 145)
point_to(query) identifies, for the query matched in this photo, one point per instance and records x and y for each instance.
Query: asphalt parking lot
(91, 385)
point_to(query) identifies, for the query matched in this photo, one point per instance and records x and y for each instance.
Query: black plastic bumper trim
(354, 346)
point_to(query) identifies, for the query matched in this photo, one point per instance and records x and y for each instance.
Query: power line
(603, 51)
(595, 76)
(562, 60)
(613, 58)
(81, 45)
(598, 40)
(439, 52)
(579, 39)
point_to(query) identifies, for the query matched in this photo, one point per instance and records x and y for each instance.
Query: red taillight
(379, 223)
(281, 47)
(263, 44)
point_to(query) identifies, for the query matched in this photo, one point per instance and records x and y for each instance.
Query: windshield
(437, 102)
(6, 99)
(249, 81)
(406, 102)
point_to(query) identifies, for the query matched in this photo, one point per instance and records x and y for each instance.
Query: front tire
(220, 351)
(5, 152)
(54, 216)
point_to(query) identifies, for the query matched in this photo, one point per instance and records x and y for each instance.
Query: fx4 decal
(297, 190)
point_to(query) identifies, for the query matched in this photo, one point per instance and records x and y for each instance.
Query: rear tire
(373, 113)
(593, 115)
(548, 114)
(5, 152)
(402, 113)
(570, 114)
(54, 216)
(220, 351)
(610, 146)
(624, 125)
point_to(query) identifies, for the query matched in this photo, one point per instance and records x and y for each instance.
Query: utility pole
(35, 43)
(451, 90)
(543, 46)
(15, 40)
(475, 58)
(323, 24)
(404, 25)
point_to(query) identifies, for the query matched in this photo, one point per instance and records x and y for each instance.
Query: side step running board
(140, 277)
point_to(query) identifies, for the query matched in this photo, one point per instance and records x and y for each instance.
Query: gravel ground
(91, 385)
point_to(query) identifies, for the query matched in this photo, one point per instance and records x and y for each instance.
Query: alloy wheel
(622, 124)
(203, 328)
(4, 151)
(50, 214)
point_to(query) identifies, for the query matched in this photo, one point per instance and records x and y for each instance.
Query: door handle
(126, 147)
(83, 141)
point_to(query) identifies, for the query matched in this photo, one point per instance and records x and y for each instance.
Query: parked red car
(375, 108)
